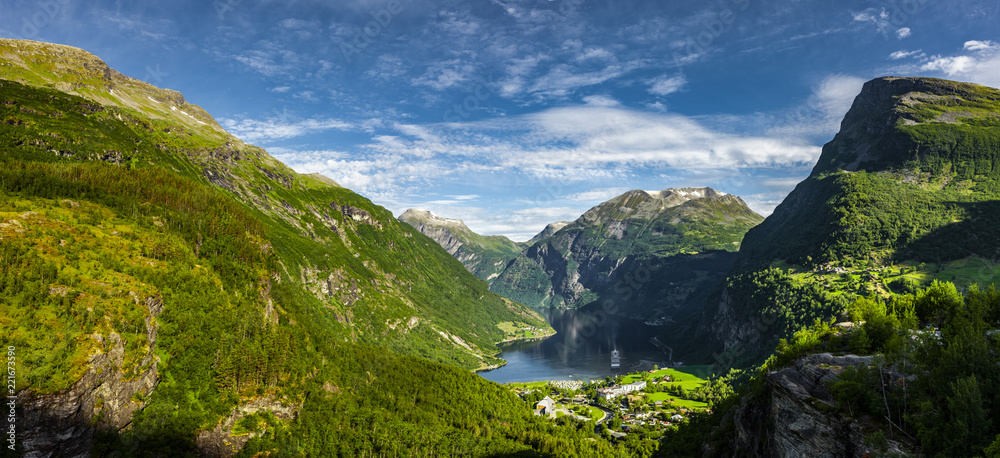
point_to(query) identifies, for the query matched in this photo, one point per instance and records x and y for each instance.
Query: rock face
(484, 256)
(549, 231)
(651, 252)
(793, 418)
(221, 441)
(105, 398)
(903, 141)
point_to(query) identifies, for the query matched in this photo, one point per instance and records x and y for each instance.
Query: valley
(174, 291)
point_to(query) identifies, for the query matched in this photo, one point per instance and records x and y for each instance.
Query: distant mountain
(549, 231)
(171, 290)
(652, 254)
(908, 191)
(484, 256)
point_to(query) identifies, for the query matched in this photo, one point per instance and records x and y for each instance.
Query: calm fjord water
(581, 349)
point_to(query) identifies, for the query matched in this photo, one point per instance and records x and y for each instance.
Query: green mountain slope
(171, 290)
(650, 254)
(907, 192)
(484, 256)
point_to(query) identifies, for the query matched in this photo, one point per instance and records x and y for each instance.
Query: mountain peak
(872, 133)
(549, 231)
(648, 204)
(78, 72)
(484, 256)
(687, 193)
(415, 215)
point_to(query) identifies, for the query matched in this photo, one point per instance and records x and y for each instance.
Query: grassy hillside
(257, 303)
(484, 256)
(906, 193)
(368, 270)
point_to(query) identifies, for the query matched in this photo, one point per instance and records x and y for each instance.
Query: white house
(618, 390)
(545, 407)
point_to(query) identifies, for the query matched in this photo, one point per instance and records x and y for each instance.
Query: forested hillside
(654, 255)
(172, 291)
(484, 256)
(906, 193)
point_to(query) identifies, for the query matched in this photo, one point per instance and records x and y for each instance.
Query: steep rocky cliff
(905, 193)
(549, 231)
(651, 253)
(266, 283)
(794, 414)
(104, 399)
(484, 256)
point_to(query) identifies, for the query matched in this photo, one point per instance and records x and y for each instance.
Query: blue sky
(513, 114)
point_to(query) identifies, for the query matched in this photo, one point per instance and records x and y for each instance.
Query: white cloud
(975, 45)
(781, 184)
(596, 194)
(880, 18)
(977, 62)
(601, 101)
(836, 94)
(594, 53)
(388, 68)
(563, 79)
(446, 74)
(297, 24)
(269, 59)
(306, 96)
(280, 89)
(665, 85)
(904, 54)
(950, 66)
(903, 33)
(254, 130)
(820, 117)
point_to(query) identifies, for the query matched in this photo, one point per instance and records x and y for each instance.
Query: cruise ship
(616, 361)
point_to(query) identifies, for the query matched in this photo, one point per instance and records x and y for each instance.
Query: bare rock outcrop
(795, 415)
(105, 398)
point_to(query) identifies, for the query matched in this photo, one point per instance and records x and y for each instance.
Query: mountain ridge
(225, 281)
(687, 234)
(484, 256)
(904, 194)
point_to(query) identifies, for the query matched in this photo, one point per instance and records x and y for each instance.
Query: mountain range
(169, 290)
(653, 255)
(905, 194)
(187, 292)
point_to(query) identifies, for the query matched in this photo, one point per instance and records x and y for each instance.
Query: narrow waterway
(581, 349)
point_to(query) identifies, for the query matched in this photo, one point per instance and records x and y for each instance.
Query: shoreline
(511, 340)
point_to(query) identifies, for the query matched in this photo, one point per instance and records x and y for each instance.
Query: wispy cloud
(977, 62)
(255, 130)
(666, 85)
(905, 54)
(596, 194)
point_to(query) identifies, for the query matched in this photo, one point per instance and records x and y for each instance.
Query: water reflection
(580, 350)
